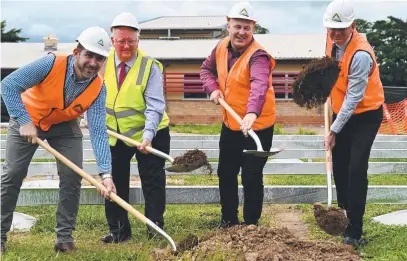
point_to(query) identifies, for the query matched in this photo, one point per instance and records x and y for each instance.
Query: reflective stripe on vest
(125, 108)
(235, 86)
(374, 94)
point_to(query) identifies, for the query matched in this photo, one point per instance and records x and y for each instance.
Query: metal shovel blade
(180, 168)
(259, 153)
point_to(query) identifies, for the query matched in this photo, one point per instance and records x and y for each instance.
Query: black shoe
(109, 238)
(226, 224)
(64, 247)
(114, 238)
(3, 248)
(151, 233)
(355, 242)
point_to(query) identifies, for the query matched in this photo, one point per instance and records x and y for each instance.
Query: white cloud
(39, 29)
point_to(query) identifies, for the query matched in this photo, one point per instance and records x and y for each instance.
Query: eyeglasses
(128, 42)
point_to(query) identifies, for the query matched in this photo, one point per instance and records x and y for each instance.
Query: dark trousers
(350, 158)
(231, 159)
(152, 175)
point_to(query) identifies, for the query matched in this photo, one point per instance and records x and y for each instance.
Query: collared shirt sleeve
(21, 80)
(209, 73)
(96, 116)
(260, 70)
(359, 71)
(155, 102)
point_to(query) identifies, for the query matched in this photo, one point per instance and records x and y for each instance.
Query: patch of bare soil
(290, 218)
(252, 243)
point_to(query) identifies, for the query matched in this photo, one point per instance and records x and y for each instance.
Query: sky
(66, 19)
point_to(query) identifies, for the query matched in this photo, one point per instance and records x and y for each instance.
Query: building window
(193, 88)
(282, 84)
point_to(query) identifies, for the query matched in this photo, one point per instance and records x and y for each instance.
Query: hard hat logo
(100, 42)
(336, 18)
(78, 108)
(244, 12)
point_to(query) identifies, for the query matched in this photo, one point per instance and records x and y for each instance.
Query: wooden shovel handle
(112, 195)
(136, 143)
(328, 153)
(92, 181)
(230, 110)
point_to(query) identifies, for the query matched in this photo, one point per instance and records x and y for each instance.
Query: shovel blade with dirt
(188, 162)
(331, 220)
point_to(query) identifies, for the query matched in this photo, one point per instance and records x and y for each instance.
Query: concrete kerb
(210, 195)
(271, 168)
(214, 153)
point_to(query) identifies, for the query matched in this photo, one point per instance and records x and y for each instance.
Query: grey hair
(136, 31)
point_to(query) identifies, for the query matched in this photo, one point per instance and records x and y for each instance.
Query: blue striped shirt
(34, 73)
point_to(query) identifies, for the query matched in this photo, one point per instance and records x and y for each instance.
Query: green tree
(389, 40)
(11, 36)
(258, 29)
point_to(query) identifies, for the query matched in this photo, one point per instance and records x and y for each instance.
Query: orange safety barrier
(394, 118)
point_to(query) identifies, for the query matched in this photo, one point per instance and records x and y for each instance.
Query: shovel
(259, 152)
(113, 196)
(174, 168)
(331, 220)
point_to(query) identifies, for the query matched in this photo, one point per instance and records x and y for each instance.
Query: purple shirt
(259, 76)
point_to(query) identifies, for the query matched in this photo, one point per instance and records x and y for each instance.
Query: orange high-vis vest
(374, 94)
(45, 102)
(235, 86)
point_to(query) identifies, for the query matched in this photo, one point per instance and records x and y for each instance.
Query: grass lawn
(370, 160)
(386, 242)
(207, 180)
(214, 129)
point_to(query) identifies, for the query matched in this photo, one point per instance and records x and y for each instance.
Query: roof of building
(281, 47)
(185, 22)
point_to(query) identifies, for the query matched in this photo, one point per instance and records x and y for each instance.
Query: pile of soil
(252, 243)
(194, 159)
(331, 220)
(314, 83)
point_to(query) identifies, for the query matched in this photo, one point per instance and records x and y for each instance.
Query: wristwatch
(105, 175)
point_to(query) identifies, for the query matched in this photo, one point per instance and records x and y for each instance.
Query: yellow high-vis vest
(125, 108)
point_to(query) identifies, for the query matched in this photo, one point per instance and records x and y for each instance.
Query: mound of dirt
(193, 159)
(331, 220)
(252, 243)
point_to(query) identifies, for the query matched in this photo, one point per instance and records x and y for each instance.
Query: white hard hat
(96, 40)
(242, 10)
(125, 19)
(339, 14)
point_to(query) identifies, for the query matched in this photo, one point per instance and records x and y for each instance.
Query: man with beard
(135, 108)
(357, 98)
(45, 99)
(243, 70)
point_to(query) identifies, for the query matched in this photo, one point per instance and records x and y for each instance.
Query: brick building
(182, 44)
